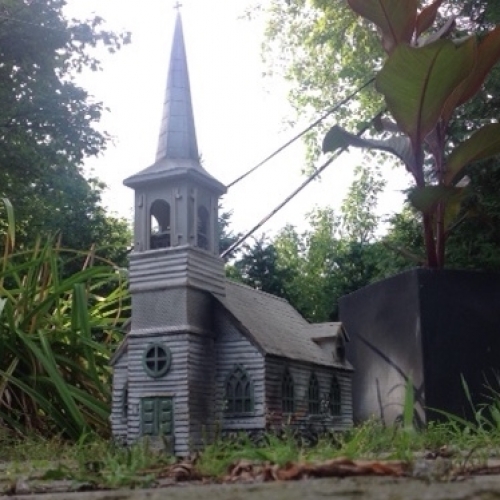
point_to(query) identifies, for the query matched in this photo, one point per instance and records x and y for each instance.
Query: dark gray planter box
(435, 326)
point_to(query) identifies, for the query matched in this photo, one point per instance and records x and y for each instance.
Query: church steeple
(177, 149)
(177, 134)
(176, 198)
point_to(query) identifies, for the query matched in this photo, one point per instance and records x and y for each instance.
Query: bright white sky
(239, 115)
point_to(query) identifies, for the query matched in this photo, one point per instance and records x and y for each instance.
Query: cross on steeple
(177, 6)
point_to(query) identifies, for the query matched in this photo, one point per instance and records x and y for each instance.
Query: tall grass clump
(57, 332)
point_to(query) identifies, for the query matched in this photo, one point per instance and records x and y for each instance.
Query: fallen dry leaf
(183, 471)
(484, 470)
(340, 467)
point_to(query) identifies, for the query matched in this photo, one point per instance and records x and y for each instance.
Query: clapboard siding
(201, 389)
(118, 419)
(232, 349)
(173, 384)
(301, 373)
(176, 267)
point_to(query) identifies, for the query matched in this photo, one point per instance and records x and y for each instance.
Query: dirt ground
(476, 488)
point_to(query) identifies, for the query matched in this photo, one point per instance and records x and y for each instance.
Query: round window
(157, 359)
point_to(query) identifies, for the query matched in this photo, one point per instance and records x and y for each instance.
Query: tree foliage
(337, 255)
(48, 122)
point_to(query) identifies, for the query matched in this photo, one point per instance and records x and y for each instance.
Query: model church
(204, 353)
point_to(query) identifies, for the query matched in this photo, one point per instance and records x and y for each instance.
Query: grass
(92, 460)
(95, 461)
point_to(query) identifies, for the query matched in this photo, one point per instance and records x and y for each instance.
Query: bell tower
(175, 270)
(176, 199)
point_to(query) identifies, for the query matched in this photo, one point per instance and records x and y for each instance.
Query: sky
(239, 114)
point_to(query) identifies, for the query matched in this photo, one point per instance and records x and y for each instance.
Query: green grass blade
(45, 356)
(409, 406)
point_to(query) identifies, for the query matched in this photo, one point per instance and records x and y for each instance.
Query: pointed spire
(177, 134)
(177, 153)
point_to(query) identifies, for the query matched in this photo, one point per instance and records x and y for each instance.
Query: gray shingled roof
(277, 328)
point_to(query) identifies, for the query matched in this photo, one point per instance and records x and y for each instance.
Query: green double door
(157, 416)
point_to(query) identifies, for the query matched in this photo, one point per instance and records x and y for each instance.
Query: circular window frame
(164, 370)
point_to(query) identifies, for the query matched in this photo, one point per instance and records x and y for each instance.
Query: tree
(257, 267)
(48, 123)
(337, 255)
(226, 235)
(323, 50)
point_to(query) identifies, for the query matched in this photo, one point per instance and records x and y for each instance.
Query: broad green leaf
(425, 199)
(416, 82)
(426, 18)
(338, 138)
(483, 144)
(488, 54)
(395, 18)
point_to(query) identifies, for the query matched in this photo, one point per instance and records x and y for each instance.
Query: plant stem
(440, 234)
(430, 244)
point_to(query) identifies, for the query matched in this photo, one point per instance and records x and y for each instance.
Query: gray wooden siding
(174, 384)
(232, 349)
(301, 372)
(201, 362)
(118, 422)
(176, 266)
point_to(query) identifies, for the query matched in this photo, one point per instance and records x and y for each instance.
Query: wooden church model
(205, 353)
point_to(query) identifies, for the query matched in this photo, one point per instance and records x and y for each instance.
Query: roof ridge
(243, 285)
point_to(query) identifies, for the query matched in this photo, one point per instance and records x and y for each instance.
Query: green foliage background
(48, 125)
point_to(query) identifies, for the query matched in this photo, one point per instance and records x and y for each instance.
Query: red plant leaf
(427, 17)
(488, 54)
(417, 82)
(481, 145)
(395, 18)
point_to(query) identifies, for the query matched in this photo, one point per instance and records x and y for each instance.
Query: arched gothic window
(335, 397)
(287, 393)
(124, 403)
(160, 225)
(203, 228)
(313, 395)
(239, 392)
